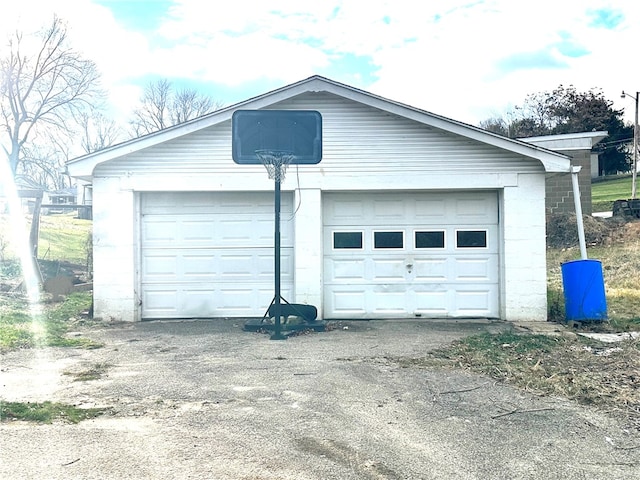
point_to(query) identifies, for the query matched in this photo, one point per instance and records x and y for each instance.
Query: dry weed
(606, 376)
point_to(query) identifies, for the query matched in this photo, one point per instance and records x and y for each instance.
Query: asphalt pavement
(206, 400)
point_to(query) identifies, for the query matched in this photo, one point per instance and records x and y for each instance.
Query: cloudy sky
(464, 59)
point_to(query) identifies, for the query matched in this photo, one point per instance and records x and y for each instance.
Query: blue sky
(464, 59)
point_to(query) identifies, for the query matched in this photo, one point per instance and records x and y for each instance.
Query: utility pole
(634, 173)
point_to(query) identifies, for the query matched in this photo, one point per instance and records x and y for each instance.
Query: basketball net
(276, 162)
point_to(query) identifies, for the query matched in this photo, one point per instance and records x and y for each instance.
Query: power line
(603, 145)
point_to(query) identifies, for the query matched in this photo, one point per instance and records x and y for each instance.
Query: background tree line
(566, 110)
(52, 109)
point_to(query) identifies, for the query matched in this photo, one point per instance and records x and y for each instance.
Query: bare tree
(41, 164)
(161, 106)
(188, 104)
(496, 125)
(42, 90)
(152, 115)
(98, 131)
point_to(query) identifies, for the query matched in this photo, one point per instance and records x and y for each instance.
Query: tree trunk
(34, 235)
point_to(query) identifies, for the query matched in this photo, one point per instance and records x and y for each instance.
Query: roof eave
(568, 142)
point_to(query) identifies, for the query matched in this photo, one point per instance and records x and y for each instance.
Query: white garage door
(211, 254)
(411, 255)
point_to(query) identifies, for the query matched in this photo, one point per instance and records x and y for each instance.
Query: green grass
(46, 412)
(604, 193)
(10, 268)
(21, 329)
(64, 237)
(73, 305)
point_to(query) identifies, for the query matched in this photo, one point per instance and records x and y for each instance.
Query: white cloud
(461, 58)
(453, 68)
(232, 61)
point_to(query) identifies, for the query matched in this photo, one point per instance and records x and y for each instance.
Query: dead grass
(589, 372)
(619, 252)
(562, 230)
(95, 371)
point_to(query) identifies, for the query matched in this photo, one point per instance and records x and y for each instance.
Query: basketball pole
(275, 139)
(277, 309)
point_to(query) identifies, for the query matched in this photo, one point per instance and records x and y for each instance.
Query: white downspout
(576, 198)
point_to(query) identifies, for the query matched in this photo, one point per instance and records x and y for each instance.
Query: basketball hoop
(276, 138)
(276, 162)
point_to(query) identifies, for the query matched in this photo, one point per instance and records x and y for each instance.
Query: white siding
(357, 139)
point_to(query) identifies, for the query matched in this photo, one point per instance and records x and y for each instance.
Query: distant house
(55, 201)
(408, 215)
(65, 196)
(69, 199)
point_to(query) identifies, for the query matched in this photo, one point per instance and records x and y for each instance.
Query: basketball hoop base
(258, 326)
(295, 317)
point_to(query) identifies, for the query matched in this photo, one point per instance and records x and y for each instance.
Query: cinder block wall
(559, 193)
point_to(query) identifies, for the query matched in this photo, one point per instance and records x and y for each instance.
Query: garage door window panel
(471, 239)
(347, 240)
(385, 240)
(430, 239)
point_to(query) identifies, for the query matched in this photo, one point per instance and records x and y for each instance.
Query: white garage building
(408, 215)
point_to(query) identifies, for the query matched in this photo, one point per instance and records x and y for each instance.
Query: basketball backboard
(297, 132)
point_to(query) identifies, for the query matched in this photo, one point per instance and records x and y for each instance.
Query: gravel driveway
(205, 400)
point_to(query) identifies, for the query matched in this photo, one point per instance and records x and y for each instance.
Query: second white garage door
(209, 254)
(411, 255)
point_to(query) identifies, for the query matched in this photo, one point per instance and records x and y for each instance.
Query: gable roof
(82, 167)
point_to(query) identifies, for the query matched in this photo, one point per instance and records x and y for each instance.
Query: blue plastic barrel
(584, 297)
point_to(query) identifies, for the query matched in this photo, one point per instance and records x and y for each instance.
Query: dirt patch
(59, 278)
(60, 268)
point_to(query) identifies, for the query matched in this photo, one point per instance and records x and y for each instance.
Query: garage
(391, 255)
(211, 254)
(408, 215)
